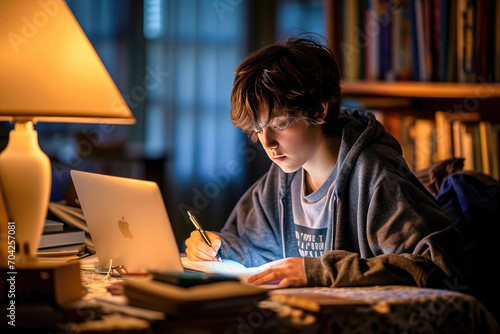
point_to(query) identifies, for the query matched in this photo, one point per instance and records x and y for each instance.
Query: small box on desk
(39, 281)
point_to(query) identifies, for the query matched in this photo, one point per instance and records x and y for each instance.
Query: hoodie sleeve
(252, 233)
(407, 240)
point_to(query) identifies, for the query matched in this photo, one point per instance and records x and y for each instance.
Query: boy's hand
(289, 271)
(198, 250)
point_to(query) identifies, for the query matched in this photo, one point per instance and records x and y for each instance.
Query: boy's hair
(290, 79)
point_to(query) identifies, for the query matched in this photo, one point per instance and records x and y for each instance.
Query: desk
(392, 309)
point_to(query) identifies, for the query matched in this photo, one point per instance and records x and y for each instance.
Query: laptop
(128, 222)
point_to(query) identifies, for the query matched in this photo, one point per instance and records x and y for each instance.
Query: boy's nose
(268, 140)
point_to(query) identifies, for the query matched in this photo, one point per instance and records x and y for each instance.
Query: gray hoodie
(385, 227)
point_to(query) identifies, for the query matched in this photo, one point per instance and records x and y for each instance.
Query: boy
(339, 206)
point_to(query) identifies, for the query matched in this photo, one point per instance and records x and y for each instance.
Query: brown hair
(293, 78)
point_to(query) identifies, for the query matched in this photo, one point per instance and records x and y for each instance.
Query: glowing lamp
(49, 72)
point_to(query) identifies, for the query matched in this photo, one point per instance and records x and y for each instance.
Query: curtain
(195, 46)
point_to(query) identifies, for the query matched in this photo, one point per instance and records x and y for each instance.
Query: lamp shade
(49, 71)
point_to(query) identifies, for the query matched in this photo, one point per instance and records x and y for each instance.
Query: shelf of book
(430, 71)
(432, 123)
(418, 40)
(419, 89)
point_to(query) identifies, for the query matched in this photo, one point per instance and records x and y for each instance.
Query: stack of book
(73, 217)
(60, 240)
(67, 236)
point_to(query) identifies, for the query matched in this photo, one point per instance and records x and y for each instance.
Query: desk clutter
(71, 296)
(60, 295)
(145, 304)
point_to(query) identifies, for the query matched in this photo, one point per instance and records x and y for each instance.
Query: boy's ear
(323, 111)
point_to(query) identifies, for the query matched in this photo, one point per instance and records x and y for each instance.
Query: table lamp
(49, 72)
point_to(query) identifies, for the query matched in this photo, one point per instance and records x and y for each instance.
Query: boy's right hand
(198, 250)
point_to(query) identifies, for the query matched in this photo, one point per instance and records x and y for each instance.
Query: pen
(200, 229)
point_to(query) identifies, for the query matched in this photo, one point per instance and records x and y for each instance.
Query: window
(298, 16)
(198, 45)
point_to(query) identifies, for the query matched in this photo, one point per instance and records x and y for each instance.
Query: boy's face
(290, 145)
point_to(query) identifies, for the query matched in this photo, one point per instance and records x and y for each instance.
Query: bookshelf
(412, 89)
(430, 71)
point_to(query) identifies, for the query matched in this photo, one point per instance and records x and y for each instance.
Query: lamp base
(45, 282)
(25, 176)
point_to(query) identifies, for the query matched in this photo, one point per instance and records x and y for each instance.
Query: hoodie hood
(360, 129)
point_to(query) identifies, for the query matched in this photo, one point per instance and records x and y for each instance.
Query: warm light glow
(48, 68)
(49, 71)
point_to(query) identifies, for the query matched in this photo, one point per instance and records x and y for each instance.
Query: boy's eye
(283, 124)
(258, 131)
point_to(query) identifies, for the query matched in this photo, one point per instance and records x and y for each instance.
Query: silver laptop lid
(128, 222)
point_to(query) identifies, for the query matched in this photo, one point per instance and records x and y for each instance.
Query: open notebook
(226, 267)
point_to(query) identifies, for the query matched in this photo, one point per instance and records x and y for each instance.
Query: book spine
(485, 138)
(457, 139)
(468, 147)
(481, 48)
(465, 40)
(372, 32)
(428, 36)
(349, 46)
(436, 39)
(385, 54)
(496, 58)
(414, 39)
(443, 136)
(424, 143)
(443, 39)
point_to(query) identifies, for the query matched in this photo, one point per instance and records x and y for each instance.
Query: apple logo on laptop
(124, 228)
